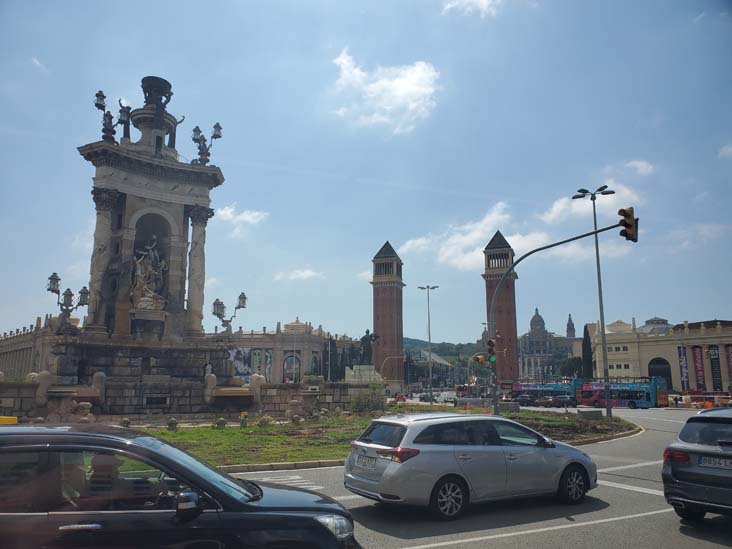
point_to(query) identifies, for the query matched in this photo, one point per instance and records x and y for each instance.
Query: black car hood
(276, 497)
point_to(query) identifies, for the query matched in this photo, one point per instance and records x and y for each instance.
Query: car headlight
(340, 526)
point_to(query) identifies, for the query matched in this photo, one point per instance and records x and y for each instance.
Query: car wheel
(596, 404)
(632, 405)
(572, 485)
(449, 498)
(691, 514)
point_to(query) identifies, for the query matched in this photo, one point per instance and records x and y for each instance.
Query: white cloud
(212, 282)
(394, 97)
(84, 240)
(364, 275)
(641, 167)
(462, 246)
(726, 151)
(297, 274)
(415, 245)
(701, 196)
(40, 67)
(684, 239)
(699, 17)
(485, 8)
(240, 220)
(577, 252)
(607, 205)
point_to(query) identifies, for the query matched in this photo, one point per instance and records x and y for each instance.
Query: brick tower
(389, 347)
(498, 257)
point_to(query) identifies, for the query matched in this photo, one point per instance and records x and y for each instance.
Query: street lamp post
(65, 301)
(429, 332)
(219, 310)
(583, 193)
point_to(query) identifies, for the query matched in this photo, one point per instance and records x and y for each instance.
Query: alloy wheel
(575, 485)
(450, 499)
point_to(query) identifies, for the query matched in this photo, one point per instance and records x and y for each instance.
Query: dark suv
(697, 467)
(94, 486)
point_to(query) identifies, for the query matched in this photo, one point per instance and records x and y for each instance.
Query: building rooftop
(386, 251)
(497, 242)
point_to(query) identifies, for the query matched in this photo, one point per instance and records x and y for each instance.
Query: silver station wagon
(447, 461)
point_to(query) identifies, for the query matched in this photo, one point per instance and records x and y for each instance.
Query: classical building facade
(690, 355)
(499, 257)
(388, 349)
(538, 347)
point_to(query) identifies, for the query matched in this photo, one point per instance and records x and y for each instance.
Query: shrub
(265, 421)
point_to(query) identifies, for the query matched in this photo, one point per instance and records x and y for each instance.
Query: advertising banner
(716, 368)
(684, 367)
(728, 348)
(701, 383)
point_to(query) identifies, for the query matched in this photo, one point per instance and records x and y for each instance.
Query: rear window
(385, 434)
(707, 432)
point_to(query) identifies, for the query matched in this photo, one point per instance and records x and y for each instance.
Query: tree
(572, 367)
(586, 355)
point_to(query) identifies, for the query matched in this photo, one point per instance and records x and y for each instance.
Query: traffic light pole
(499, 285)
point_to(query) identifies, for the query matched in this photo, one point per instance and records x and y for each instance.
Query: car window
(453, 433)
(103, 481)
(515, 435)
(21, 481)
(706, 432)
(384, 434)
(482, 433)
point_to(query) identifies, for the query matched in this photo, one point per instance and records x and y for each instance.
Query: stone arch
(660, 367)
(291, 369)
(174, 229)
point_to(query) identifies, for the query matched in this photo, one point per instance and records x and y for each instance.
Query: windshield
(385, 434)
(712, 433)
(239, 489)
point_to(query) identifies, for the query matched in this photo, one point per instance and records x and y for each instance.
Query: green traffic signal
(492, 358)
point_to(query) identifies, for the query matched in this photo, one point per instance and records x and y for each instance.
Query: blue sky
(429, 123)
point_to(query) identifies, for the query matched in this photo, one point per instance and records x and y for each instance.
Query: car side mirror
(547, 442)
(188, 506)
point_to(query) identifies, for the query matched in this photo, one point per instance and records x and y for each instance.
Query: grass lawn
(329, 438)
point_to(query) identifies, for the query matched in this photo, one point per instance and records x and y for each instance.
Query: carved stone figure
(148, 278)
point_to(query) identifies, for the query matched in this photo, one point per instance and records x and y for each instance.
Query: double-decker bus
(648, 393)
(538, 390)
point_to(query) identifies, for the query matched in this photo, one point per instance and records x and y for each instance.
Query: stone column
(197, 267)
(105, 200)
(278, 357)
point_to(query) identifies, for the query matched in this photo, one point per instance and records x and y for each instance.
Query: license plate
(719, 462)
(366, 462)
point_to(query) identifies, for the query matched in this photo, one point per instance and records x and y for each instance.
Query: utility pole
(429, 333)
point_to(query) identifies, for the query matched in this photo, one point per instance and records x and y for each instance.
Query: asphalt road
(627, 509)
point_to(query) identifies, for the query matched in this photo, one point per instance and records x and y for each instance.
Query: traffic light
(630, 224)
(491, 351)
(480, 359)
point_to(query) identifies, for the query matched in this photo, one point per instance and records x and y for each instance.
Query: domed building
(538, 347)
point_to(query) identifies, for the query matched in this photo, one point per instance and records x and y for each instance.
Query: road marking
(538, 530)
(651, 418)
(269, 472)
(346, 498)
(633, 466)
(631, 488)
(292, 480)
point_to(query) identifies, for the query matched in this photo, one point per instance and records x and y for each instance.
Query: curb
(617, 436)
(292, 465)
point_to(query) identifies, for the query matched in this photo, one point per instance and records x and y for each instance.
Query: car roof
(84, 431)
(406, 419)
(716, 412)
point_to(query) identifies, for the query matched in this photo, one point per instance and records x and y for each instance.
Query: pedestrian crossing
(288, 480)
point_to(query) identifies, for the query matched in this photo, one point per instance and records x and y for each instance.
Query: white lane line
(269, 472)
(346, 498)
(538, 530)
(631, 488)
(650, 418)
(633, 466)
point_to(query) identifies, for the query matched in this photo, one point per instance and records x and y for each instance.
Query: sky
(429, 123)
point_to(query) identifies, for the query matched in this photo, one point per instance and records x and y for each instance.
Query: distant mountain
(449, 351)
